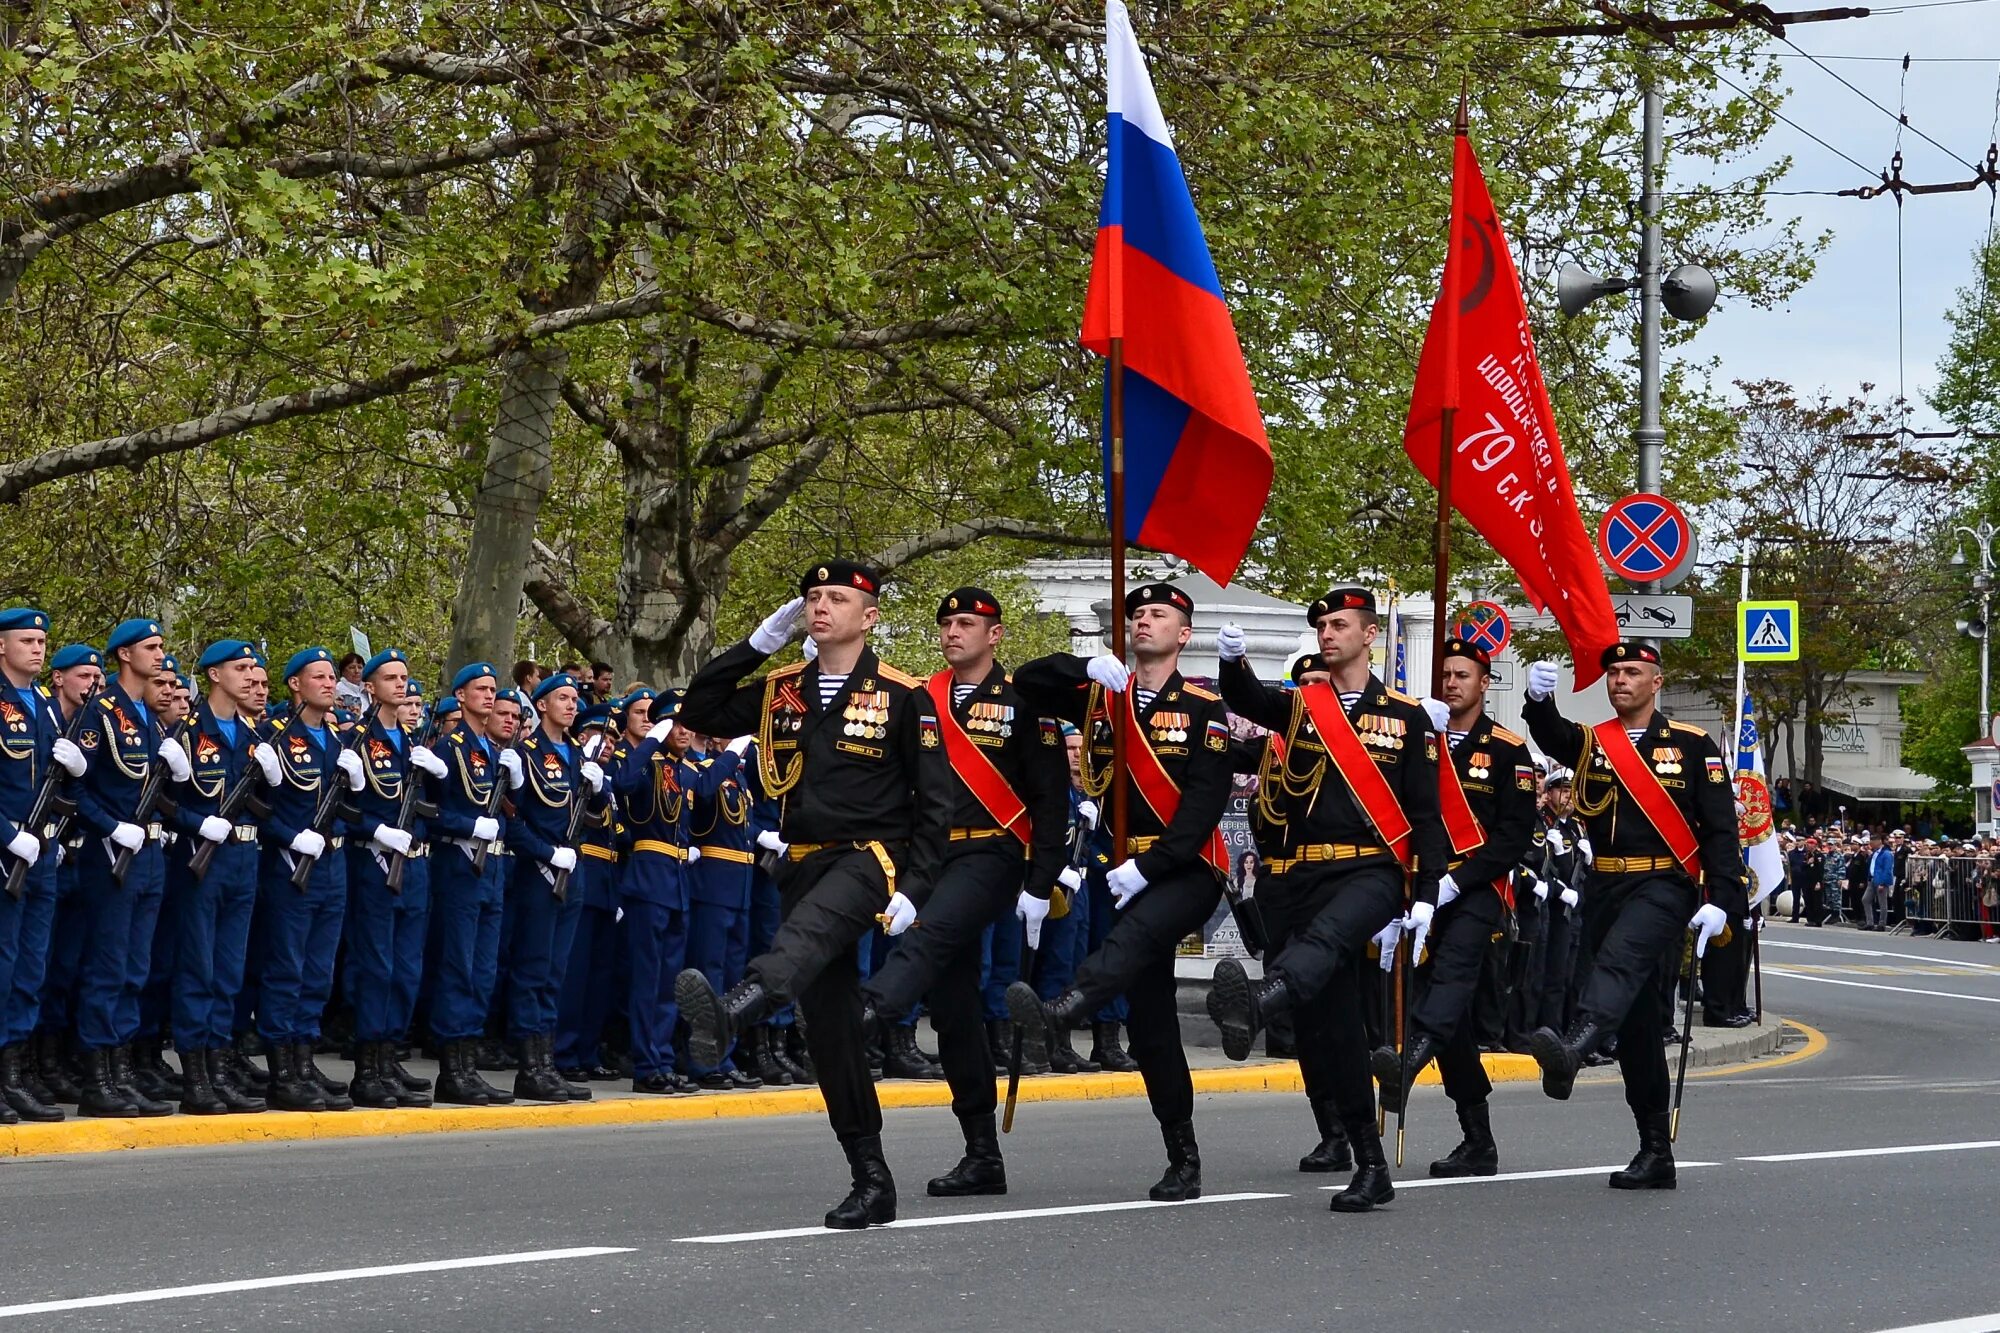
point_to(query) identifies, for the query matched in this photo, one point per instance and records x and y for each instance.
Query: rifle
(152, 800)
(243, 796)
(492, 808)
(577, 801)
(413, 807)
(328, 809)
(50, 800)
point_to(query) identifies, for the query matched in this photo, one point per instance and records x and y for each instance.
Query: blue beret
(171, 665)
(278, 711)
(226, 650)
(304, 658)
(187, 682)
(447, 706)
(23, 617)
(509, 695)
(76, 655)
(381, 659)
(344, 716)
(597, 715)
(555, 682)
(415, 690)
(128, 632)
(666, 704)
(471, 672)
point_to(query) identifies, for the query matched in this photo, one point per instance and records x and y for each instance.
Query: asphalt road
(660, 1227)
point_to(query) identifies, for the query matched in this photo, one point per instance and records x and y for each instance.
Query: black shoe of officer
(236, 1099)
(121, 1072)
(981, 1170)
(406, 1082)
(1561, 1056)
(457, 1083)
(149, 1073)
(902, 1059)
(1333, 1154)
(1063, 1057)
(1370, 1185)
(198, 1094)
(1107, 1053)
(1389, 1068)
(332, 1090)
(1477, 1154)
(759, 1050)
(740, 1080)
(714, 1020)
(872, 1201)
(1653, 1167)
(1000, 1041)
(1024, 1007)
(1240, 1007)
(101, 1096)
(372, 1087)
(1182, 1180)
(291, 1089)
(53, 1067)
(253, 1079)
(19, 1094)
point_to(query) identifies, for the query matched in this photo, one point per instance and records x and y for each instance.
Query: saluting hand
(778, 627)
(1541, 680)
(1109, 672)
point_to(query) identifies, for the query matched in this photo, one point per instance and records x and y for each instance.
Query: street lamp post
(1982, 582)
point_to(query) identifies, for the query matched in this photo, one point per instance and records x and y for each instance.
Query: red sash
(1158, 788)
(974, 769)
(1644, 784)
(1357, 766)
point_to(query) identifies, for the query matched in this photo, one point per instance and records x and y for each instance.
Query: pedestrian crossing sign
(1767, 631)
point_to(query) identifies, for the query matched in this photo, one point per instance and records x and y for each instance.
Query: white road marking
(306, 1279)
(955, 1219)
(1520, 1175)
(1899, 1151)
(1876, 985)
(1979, 1323)
(1878, 953)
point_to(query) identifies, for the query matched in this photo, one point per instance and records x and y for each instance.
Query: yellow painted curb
(1816, 1042)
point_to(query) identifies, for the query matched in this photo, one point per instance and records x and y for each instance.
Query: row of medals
(994, 719)
(1666, 760)
(867, 717)
(1170, 727)
(1385, 732)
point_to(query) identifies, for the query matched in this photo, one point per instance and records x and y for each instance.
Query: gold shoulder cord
(777, 782)
(1270, 776)
(1298, 784)
(1582, 781)
(1095, 781)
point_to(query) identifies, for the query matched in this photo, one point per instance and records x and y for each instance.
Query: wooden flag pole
(1119, 804)
(1447, 422)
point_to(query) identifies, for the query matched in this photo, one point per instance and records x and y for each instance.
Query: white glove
(129, 836)
(349, 763)
(1229, 643)
(1087, 812)
(70, 757)
(485, 828)
(1071, 878)
(1109, 672)
(1557, 842)
(1447, 890)
(1385, 939)
(422, 756)
(900, 915)
(1541, 680)
(1541, 889)
(1741, 809)
(1418, 923)
(510, 761)
(214, 828)
(591, 773)
(27, 847)
(811, 650)
(778, 627)
(771, 842)
(392, 839)
(563, 858)
(1569, 898)
(1032, 911)
(1583, 849)
(1752, 924)
(694, 854)
(176, 759)
(660, 731)
(267, 759)
(1126, 883)
(60, 852)
(738, 746)
(308, 843)
(1439, 712)
(1707, 922)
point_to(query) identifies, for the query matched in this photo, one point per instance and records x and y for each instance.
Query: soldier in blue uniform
(512, 717)
(719, 890)
(76, 673)
(263, 718)
(413, 931)
(652, 790)
(589, 964)
(151, 1073)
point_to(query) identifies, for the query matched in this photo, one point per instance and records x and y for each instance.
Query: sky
(1840, 330)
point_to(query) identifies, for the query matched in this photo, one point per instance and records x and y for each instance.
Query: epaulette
(106, 704)
(1506, 737)
(903, 678)
(792, 670)
(1685, 726)
(1401, 697)
(1200, 693)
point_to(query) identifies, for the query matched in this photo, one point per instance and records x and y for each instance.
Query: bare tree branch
(305, 166)
(757, 442)
(755, 511)
(575, 621)
(958, 325)
(955, 535)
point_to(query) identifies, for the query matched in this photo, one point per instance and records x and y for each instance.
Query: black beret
(841, 574)
(1341, 599)
(1159, 594)
(1457, 647)
(968, 601)
(1307, 662)
(1629, 650)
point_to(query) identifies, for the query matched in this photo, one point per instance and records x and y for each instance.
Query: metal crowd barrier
(1942, 895)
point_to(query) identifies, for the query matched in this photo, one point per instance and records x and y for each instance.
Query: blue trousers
(999, 966)
(247, 999)
(569, 915)
(301, 936)
(656, 940)
(465, 923)
(766, 914)
(156, 997)
(12, 910)
(23, 999)
(117, 932)
(719, 944)
(1065, 943)
(213, 922)
(590, 984)
(412, 931)
(385, 943)
(528, 927)
(1103, 916)
(65, 969)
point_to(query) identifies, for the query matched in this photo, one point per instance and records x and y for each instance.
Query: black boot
(902, 1058)
(405, 1080)
(222, 1077)
(54, 1069)
(1389, 1067)
(1561, 1056)
(760, 1053)
(457, 1084)
(1000, 1040)
(1478, 1154)
(101, 1096)
(31, 1075)
(532, 1083)
(1063, 1058)
(1183, 1178)
(253, 1079)
(1333, 1154)
(198, 1092)
(122, 1073)
(872, 1201)
(800, 1059)
(20, 1097)
(372, 1087)
(291, 1088)
(981, 1170)
(545, 1059)
(151, 1075)
(1107, 1053)
(331, 1089)
(1241, 1008)
(1370, 1184)
(714, 1020)
(1653, 1168)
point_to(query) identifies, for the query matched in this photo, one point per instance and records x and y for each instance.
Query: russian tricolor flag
(1197, 461)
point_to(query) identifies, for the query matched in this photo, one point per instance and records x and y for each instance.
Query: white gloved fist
(739, 746)
(771, 842)
(392, 839)
(308, 843)
(1087, 812)
(1752, 924)
(1071, 878)
(899, 915)
(1439, 712)
(1707, 922)
(214, 828)
(1386, 940)
(1584, 850)
(25, 846)
(811, 649)
(129, 836)
(1418, 923)
(425, 758)
(1109, 672)
(1229, 643)
(510, 763)
(266, 756)
(1557, 842)
(485, 828)
(694, 854)
(1031, 912)
(1541, 889)
(592, 773)
(1126, 883)
(1447, 890)
(349, 763)
(563, 858)
(660, 731)
(1570, 899)
(1541, 680)
(176, 759)
(70, 757)
(778, 627)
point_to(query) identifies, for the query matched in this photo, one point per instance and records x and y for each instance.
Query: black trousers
(1558, 967)
(829, 901)
(1725, 976)
(1137, 960)
(938, 963)
(1323, 969)
(1525, 968)
(1445, 989)
(1633, 929)
(1285, 920)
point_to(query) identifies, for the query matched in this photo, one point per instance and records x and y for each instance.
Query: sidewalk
(617, 1104)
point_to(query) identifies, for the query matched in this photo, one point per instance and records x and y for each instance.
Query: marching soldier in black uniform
(1656, 798)
(1177, 747)
(1568, 854)
(852, 748)
(1362, 762)
(1486, 794)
